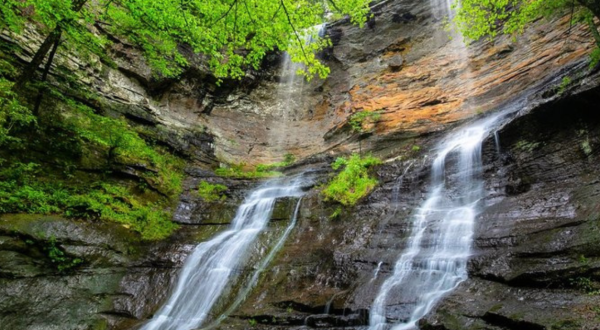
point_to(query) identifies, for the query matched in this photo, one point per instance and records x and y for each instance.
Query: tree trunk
(40, 95)
(30, 69)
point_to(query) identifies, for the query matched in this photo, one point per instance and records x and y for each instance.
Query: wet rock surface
(535, 258)
(536, 261)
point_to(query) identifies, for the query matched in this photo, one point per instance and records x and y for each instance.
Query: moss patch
(353, 182)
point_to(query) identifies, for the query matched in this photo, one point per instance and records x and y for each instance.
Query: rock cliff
(536, 256)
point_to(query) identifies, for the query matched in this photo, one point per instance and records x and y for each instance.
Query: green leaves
(211, 193)
(362, 121)
(353, 182)
(476, 19)
(12, 113)
(230, 35)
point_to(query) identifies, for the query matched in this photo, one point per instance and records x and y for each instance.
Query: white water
(435, 259)
(209, 269)
(261, 267)
(397, 186)
(442, 9)
(290, 93)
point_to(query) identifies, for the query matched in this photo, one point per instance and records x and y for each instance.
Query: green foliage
(565, 82)
(232, 35)
(585, 144)
(12, 113)
(71, 137)
(123, 145)
(476, 19)
(29, 188)
(287, 161)
(238, 171)
(252, 322)
(21, 190)
(585, 284)
(353, 182)
(595, 57)
(363, 121)
(336, 213)
(415, 148)
(526, 146)
(212, 192)
(116, 203)
(61, 261)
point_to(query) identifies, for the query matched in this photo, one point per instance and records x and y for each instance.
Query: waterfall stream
(210, 268)
(290, 94)
(435, 259)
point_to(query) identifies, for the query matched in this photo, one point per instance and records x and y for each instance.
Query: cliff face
(403, 63)
(536, 256)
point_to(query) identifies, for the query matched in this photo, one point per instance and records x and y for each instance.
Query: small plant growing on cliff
(252, 322)
(527, 146)
(364, 122)
(353, 182)
(288, 159)
(238, 171)
(61, 261)
(566, 81)
(336, 213)
(212, 192)
(585, 143)
(585, 284)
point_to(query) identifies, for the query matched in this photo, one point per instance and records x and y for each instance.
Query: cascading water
(290, 92)
(442, 9)
(261, 267)
(210, 268)
(435, 259)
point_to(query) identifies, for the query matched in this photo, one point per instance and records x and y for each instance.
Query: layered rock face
(536, 262)
(536, 252)
(403, 63)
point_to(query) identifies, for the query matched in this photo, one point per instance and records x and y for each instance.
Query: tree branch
(248, 11)
(293, 28)
(227, 12)
(334, 5)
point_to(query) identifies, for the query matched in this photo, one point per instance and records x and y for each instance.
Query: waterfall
(290, 92)
(209, 269)
(241, 296)
(435, 259)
